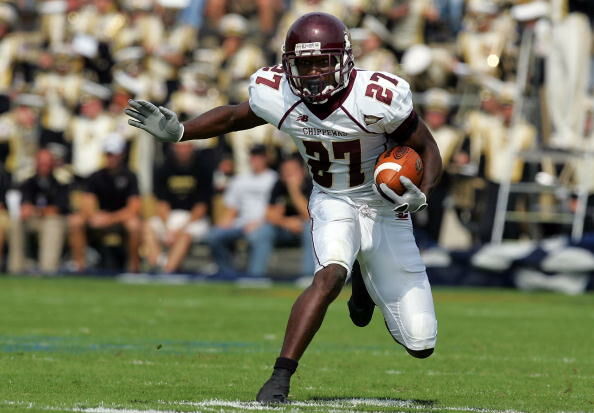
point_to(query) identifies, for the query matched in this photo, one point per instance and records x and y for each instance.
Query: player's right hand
(158, 121)
(412, 200)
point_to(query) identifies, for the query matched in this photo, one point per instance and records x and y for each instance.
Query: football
(396, 162)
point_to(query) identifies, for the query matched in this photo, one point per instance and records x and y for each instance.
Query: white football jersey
(342, 144)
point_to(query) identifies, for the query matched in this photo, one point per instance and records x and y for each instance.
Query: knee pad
(422, 331)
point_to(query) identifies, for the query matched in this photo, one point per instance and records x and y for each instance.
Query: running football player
(341, 118)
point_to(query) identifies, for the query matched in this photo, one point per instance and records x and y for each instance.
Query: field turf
(100, 346)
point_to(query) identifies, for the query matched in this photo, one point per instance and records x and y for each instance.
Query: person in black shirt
(44, 205)
(287, 217)
(183, 187)
(110, 207)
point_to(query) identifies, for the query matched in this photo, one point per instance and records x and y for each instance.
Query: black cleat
(276, 389)
(360, 315)
(360, 304)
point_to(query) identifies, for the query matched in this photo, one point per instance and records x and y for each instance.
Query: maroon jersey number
(379, 93)
(321, 164)
(274, 83)
(352, 149)
(276, 79)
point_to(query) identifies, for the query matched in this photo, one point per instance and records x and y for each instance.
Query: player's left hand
(158, 121)
(412, 200)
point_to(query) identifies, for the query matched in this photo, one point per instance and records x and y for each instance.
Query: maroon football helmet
(317, 57)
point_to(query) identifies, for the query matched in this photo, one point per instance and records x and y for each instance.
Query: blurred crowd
(80, 189)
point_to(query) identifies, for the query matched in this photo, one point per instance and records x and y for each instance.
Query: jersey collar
(322, 111)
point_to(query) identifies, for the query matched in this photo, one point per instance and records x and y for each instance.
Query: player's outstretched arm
(164, 125)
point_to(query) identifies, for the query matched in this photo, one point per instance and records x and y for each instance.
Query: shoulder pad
(269, 93)
(388, 94)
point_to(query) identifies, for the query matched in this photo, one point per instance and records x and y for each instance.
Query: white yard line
(216, 405)
(342, 405)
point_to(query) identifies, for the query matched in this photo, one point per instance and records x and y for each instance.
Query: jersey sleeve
(268, 90)
(401, 106)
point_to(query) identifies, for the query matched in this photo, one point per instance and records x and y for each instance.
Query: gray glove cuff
(181, 134)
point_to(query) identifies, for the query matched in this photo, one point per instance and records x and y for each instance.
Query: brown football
(396, 162)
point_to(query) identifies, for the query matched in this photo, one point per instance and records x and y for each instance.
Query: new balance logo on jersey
(302, 118)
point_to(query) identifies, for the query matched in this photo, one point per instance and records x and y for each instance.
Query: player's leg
(396, 280)
(335, 242)
(306, 318)
(310, 308)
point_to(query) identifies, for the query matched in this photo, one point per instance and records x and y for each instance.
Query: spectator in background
(9, 52)
(436, 110)
(44, 205)
(239, 58)
(372, 53)
(183, 187)
(265, 11)
(409, 18)
(95, 27)
(287, 218)
(482, 44)
(450, 14)
(245, 200)
(4, 221)
(20, 135)
(110, 209)
(502, 136)
(87, 130)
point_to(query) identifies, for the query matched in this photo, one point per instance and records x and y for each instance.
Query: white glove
(412, 200)
(159, 122)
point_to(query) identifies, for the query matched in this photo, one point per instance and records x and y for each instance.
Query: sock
(283, 364)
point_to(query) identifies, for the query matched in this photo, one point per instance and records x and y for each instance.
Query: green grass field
(100, 346)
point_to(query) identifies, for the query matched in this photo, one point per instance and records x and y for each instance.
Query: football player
(341, 118)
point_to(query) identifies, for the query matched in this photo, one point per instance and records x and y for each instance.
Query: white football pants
(345, 229)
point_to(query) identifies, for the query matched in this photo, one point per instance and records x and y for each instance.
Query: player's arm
(414, 133)
(164, 125)
(221, 120)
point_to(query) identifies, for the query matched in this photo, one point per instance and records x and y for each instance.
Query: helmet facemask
(317, 88)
